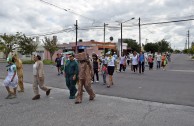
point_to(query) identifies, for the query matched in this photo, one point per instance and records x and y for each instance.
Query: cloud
(35, 17)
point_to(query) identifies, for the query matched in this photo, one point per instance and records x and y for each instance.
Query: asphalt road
(173, 86)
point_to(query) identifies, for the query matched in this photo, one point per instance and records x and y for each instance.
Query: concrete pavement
(58, 110)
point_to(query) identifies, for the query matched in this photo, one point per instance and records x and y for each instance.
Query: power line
(68, 10)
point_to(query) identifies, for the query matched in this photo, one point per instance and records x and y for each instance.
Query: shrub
(48, 62)
(192, 57)
(28, 62)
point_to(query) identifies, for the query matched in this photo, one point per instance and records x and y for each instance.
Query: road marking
(182, 70)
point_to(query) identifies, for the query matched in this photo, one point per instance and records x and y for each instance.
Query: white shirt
(134, 60)
(111, 61)
(34, 69)
(122, 61)
(158, 57)
(62, 60)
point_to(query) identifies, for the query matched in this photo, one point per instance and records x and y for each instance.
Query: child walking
(104, 72)
(11, 79)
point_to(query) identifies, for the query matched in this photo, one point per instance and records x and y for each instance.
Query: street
(155, 98)
(173, 86)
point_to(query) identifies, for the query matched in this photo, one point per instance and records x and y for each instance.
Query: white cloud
(36, 17)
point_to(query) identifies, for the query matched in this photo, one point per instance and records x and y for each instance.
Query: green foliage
(50, 45)
(6, 43)
(161, 46)
(28, 62)
(153, 47)
(192, 57)
(177, 51)
(27, 45)
(132, 44)
(48, 62)
(185, 51)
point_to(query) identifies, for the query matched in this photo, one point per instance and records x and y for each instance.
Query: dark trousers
(128, 61)
(134, 68)
(151, 65)
(158, 64)
(122, 67)
(71, 84)
(96, 72)
(141, 67)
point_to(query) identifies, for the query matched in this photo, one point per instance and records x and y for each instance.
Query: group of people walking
(79, 72)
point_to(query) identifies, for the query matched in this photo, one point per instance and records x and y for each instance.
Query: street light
(122, 33)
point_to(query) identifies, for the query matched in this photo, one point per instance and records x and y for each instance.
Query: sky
(58, 17)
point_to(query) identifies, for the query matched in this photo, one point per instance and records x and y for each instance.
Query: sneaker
(108, 86)
(12, 96)
(48, 92)
(36, 97)
(104, 83)
(71, 97)
(8, 96)
(92, 82)
(97, 81)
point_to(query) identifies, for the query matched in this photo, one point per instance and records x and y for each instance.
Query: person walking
(141, 60)
(71, 75)
(134, 61)
(122, 63)
(164, 61)
(96, 67)
(150, 62)
(38, 72)
(11, 79)
(104, 72)
(158, 59)
(58, 64)
(19, 67)
(85, 76)
(111, 67)
(116, 61)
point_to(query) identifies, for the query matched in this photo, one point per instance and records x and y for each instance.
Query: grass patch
(48, 62)
(28, 62)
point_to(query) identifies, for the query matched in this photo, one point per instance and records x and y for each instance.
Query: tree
(132, 44)
(50, 45)
(26, 44)
(6, 43)
(153, 47)
(164, 46)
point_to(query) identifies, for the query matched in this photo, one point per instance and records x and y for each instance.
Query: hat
(71, 54)
(9, 59)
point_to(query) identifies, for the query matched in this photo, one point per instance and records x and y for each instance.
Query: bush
(192, 57)
(48, 62)
(28, 62)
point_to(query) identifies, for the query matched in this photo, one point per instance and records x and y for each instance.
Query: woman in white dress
(11, 79)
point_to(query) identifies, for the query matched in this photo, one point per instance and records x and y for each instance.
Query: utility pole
(188, 39)
(140, 33)
(104, 39)
(186, 44)
(76, 28)
(121, 39)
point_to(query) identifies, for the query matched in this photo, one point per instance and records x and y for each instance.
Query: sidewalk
(58, 110)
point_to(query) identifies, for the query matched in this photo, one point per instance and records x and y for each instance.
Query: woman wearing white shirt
(134, 61)
(111, 67)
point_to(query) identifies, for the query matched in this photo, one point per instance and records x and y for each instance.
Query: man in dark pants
(71, 75)
(141, 62)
